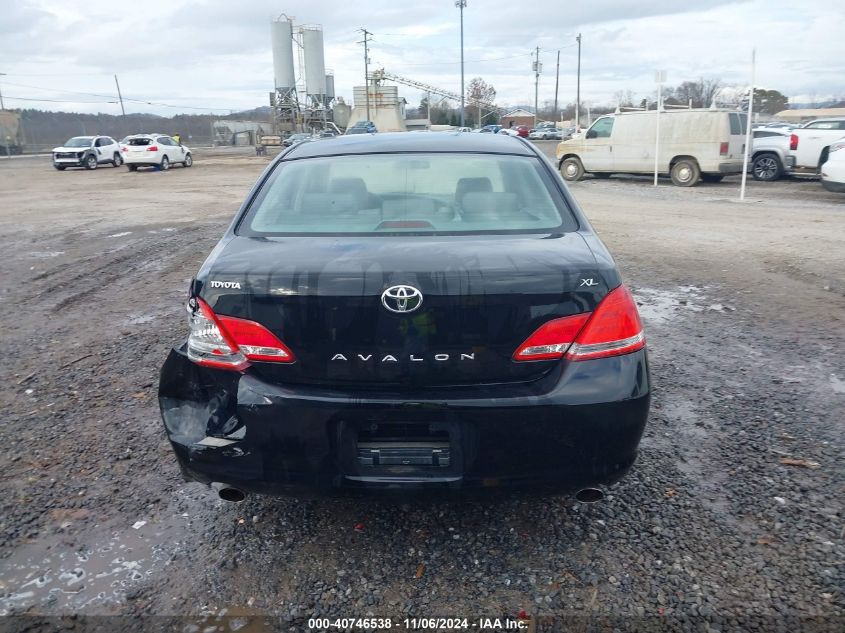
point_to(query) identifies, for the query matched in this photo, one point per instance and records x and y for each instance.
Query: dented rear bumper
(577, 427)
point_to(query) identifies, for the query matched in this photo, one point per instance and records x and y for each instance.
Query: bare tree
(478, 92)
(701, 93)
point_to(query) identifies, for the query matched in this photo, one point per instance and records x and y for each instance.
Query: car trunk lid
(482, 296)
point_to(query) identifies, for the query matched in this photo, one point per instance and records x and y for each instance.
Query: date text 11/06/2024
(420, 624)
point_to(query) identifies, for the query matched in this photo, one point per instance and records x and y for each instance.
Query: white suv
(154, 150)
(87, 152)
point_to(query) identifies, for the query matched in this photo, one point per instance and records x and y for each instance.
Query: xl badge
(401, 299)
(588, 282)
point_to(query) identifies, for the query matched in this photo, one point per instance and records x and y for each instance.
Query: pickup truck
(770, 157)
(810, 144)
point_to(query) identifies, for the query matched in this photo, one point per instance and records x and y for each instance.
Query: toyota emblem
(401, 299)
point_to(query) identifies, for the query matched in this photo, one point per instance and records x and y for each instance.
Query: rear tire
(132, 167)
(571, 169)
(59, 167)
(188, 160)
(712, 177)
(90, 162)
(117, 161)
(165, 163)
(766, 167)
(685, 173)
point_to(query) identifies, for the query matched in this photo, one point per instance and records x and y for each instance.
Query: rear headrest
(482, 205)
(328, 203)
(466, 185)
(355, 186)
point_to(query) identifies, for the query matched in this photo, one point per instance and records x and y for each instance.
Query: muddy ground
(731, 518)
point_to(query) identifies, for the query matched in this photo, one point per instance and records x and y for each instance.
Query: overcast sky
(198, 55)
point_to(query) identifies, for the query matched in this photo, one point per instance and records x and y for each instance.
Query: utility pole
(367, 35)
(747, 146)
(537, 68)
(119, 96)
(578, 85)
(557, 82)
(2, 107)
(461, 4)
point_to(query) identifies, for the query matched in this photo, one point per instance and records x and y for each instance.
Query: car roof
(399, 142)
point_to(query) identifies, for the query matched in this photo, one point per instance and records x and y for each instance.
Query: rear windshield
(140, 141)
(408, 193)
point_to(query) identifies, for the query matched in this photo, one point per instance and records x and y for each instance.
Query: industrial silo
(329, 87)
(315, 64)
(281, 37)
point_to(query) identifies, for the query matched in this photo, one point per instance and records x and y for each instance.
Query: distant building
(229, 132)
(517, 117)
(387, 108)
(803, 115)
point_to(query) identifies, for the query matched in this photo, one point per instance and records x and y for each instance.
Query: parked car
(809, 144)
(833, 171)
(362, 127)
(154, 150)
(508, 131)
(770, 158)
(522, 130)
(400, 316)
(782, 125)
(699, 144)
(490, 129)
(327, 134)
(299, 137)
(544, 134)
(87, 152)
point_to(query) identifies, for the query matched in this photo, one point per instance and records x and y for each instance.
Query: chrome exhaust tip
(229, 493)
(589, 495)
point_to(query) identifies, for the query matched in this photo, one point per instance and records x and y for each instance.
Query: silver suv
(770, 157)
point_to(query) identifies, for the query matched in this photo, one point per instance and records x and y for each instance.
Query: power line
(115, 98)
(53, 100)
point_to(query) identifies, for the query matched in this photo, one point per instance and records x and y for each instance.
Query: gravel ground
(732, 518)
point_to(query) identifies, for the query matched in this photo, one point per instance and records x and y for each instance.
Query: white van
(700, 144)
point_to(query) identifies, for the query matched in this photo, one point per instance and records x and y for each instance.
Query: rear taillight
(723, 149)
(793, 142)
(152, 148)
(613, 329)
(835, 147)
(552, 339)
(123, 148)
(228, 342)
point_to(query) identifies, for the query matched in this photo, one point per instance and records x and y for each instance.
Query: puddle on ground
(45, 254)
(125, 233)
(661, 306)
(54, 578)
(140, 319)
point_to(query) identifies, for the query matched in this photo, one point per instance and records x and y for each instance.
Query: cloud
(217, 54)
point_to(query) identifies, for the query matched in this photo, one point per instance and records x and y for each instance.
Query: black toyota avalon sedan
(408, 312)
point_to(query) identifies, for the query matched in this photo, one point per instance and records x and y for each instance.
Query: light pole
(2, 107)
(537, 68)
(461, 4)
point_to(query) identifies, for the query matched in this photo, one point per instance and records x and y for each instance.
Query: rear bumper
(733, 167)
(580, 428)
(149, 159)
